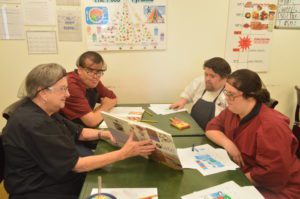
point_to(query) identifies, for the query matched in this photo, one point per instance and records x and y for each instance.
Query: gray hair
(42, 77)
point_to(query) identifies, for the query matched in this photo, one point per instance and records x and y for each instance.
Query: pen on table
(99, 185)
(149, 121)
(148, 113)
(149, 197)
(193, 147)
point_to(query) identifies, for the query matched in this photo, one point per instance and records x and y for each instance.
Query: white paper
(132, 113)
(68, 2)
(40, 42)
(226, 190)
(69, 24)
(129, 193)
(39, 12)
(103, 125)
(164, 109)
(10, 1)
(206, 159)
(11, 23)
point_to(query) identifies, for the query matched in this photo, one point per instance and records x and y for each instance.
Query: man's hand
(179, 105)
(107, 104)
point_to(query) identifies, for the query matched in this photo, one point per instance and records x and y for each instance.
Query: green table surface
(163, 122)
(139, 172)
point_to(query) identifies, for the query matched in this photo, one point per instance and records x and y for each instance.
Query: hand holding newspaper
(165, 150)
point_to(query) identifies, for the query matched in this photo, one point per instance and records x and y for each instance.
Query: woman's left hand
(234, 152)
(108, 135)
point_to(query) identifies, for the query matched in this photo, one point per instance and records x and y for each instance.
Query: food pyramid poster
(125, 24)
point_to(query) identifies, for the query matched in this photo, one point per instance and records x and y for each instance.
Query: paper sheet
(69, 24)
(11, 22)
(163, 109)
(39, 12)
(68, 2)
(10, 1)
(129, 193)
(41, 42)
(206, 159)
(132, 113)
(227, 190)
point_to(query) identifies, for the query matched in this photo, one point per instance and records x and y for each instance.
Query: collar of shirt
(73, 78)
(252, 113)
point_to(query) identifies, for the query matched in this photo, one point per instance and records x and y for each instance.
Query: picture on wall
(249, 33)
(126, 24)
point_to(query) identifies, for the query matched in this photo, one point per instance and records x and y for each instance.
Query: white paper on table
(206, 159)
(129, 193)
(131, 113)
(164, 109)
(134, 113)
(11, 22)
(39, 12)
(103, 125)
(229, 189)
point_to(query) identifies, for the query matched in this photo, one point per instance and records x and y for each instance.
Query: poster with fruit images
(125, 24)
(249, 33)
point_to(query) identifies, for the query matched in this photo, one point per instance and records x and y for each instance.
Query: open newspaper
(165, 152)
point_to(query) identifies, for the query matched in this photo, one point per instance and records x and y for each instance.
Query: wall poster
(249, 33)
(126, 24)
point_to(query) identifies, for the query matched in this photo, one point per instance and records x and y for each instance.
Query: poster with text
(249, 34)
(126, 24)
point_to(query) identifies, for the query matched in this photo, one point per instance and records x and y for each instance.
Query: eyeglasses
(62, 89)
(96, 72)
(231, 96)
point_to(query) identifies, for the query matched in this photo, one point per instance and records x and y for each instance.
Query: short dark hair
(91, 55)
(219, 66)
(250, 84)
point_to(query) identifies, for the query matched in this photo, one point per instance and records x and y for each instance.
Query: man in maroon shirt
(86, 90)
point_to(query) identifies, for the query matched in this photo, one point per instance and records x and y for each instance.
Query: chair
(296, 126)
(6, 114)
(272, 103)
(1, 159)
(11, 108)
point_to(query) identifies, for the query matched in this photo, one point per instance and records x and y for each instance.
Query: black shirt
(40, 153)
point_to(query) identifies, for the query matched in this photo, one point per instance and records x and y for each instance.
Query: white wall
(196, 32)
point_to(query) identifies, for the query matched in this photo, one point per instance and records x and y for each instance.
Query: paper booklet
(165, 152)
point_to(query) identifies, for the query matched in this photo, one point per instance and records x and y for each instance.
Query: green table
(164, 122)
(142, 173)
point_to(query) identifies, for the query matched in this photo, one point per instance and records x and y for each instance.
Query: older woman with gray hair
(41, 156)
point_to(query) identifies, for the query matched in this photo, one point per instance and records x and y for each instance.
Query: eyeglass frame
(97, 72)
(230, 95)
(62, 89)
